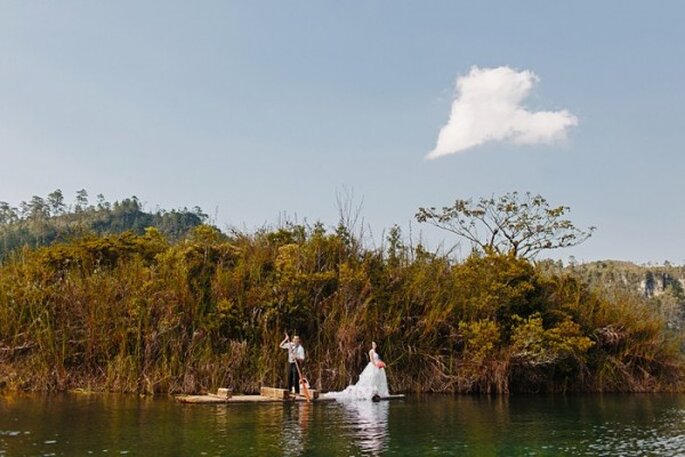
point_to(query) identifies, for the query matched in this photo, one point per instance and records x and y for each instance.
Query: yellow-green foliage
(141, 314)
(533, 345)
(482, 367)
(481, 339)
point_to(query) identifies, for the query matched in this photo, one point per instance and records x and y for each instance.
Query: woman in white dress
(372, 384)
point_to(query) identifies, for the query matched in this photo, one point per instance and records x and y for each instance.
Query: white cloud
(488, 107)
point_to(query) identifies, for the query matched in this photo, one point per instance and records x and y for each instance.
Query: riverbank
(127, 313)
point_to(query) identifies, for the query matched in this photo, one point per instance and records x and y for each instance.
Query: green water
(435, 425)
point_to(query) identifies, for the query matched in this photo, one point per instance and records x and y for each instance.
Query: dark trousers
(293, 378)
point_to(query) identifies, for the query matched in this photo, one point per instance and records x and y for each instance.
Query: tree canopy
(520, 225)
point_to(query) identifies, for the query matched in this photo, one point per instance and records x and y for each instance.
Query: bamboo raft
(266, 395)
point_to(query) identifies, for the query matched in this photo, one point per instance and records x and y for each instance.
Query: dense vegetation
(142, 313)
(42, 221)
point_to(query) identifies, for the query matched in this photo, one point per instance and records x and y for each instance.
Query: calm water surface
(589, 425)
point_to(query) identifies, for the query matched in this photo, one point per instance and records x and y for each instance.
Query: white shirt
(293, 351)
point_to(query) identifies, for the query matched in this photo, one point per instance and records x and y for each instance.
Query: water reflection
(295, 425)
(369, 422)
(629, 425)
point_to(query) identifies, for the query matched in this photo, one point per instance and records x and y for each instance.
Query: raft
(266, 395)
(213, 398)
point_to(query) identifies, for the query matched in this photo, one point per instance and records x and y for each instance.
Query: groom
(295, 353)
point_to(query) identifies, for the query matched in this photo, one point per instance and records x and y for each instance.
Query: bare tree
(350, 220)
(521, 225)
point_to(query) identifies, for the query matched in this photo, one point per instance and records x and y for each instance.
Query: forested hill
(650, 280)
(42, 221)
(662, 286)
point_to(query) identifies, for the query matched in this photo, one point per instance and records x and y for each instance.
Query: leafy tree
(38, 208)
(197, 211)
(102, 203)
(56, 202)
(8, 214)
(395, 245)
(520, 225)
(81, 200)
(24, 209)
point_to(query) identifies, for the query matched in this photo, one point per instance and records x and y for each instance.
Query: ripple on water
(633, 440)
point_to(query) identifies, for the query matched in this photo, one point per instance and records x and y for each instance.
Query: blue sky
(263, 108)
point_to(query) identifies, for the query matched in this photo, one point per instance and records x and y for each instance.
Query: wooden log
(313, 394)
(393, 397)
(274, 392)
(224, 392)
(201, 399)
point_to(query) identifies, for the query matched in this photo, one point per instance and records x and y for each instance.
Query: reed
(137, 313)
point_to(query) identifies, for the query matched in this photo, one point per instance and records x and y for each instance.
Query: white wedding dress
(371, 382)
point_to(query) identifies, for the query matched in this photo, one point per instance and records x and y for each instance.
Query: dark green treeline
(137, 313)
(43, 221)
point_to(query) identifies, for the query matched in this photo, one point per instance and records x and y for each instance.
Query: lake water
(587, 425)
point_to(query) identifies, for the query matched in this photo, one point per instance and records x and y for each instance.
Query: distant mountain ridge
(661, 285)
(650, 280)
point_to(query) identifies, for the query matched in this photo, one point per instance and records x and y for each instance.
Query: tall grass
(131, 313)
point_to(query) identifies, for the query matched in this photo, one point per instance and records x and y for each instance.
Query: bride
(372, 384)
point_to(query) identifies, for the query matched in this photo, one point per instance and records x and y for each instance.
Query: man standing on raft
(295, 355)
